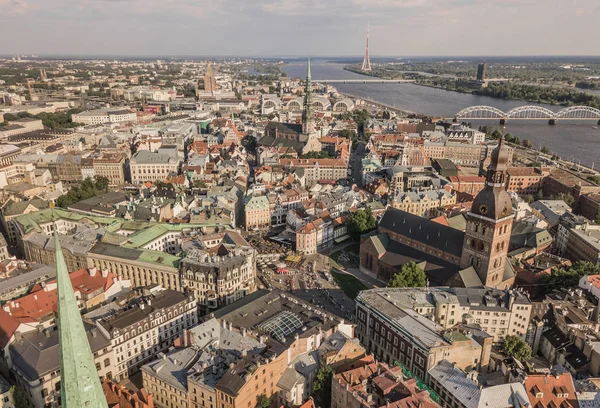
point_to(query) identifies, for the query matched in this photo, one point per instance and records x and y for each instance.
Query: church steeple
(308, 121)
(489, 225)
(80, 385)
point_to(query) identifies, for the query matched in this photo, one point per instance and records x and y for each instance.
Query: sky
(299, 27)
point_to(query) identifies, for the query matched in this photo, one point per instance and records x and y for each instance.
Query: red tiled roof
(594, 280)
(441, 220)
(42, 302)
(550, 387)
(8, 326)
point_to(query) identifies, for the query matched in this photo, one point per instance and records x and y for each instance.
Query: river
(571, 140)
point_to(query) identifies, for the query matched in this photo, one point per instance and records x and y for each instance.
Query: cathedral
(302, 138)
(474, 258)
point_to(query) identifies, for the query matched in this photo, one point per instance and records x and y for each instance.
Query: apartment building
(261, 345)
(111, 166)
(525, 180)
(219, 269)
(420, 203)
(257, 212)
(152, 166)
(142, 266)
(584, 243)
(39, 248)
(36, 364)
(467, 184)
(421, 327)
(20, 126)
(315, 235)
(457, 389)
(318, 170)
(377, 385)
(8, 154)
(102, 116)
(147, 326)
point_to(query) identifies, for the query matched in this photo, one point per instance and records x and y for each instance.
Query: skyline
(271, 28)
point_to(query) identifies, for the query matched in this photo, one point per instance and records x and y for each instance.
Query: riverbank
(402, 112)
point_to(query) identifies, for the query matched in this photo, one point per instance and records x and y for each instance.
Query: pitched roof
(552, 390)
(423, 230)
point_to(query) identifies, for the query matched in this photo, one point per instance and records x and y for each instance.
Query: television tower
(366, 66)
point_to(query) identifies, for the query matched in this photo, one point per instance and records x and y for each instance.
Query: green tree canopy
(594, 179)
(361, 221)
(410, 275)
(262, 401)
(546, 150)
(323, 154)
(19, 397)
(322, 385)
(567, 198)
(569, 277)
(517, 348)
(527, 143)
(87, 189)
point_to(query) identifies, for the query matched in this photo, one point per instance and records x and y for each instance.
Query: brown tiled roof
(556, 390)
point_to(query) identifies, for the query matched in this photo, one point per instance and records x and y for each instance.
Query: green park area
(348, 284)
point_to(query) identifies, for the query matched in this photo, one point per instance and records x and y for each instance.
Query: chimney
(105, 273)
(48, 332)
(18, 336)
(93, 271)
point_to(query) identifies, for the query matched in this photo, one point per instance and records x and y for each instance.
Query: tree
(410, 275)
(323, 154)
(250, 143)
(102, 183)
(527, 143)
(322, 385)
(517, 348)
(594, 179)
(199, 184)
(262, 401)
(567, 198)
(496, 134)
(546, 150)
(567, 278)
(362, 221)
(539, 195)
(19, 397)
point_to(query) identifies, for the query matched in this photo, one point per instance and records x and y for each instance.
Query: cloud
(278, 27)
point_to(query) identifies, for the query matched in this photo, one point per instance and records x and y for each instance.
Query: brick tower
(489, 224)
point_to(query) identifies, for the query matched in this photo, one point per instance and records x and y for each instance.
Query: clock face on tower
(483, 209)
(505, 211)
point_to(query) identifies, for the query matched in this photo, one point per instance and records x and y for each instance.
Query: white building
(101, 116)
(150, 166)
(137, 334)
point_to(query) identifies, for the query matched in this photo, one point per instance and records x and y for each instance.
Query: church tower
(312, 143)
(80, 385)
(308, 121)
(489, 224)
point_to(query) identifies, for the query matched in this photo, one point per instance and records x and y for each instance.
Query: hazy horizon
(272, 28)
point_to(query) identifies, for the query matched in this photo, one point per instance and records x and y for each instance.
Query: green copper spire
(308, 123)
(80, 385)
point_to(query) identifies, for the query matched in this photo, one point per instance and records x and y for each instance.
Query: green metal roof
(80, 385)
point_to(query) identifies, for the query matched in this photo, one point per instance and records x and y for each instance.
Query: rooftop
(36, 353)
